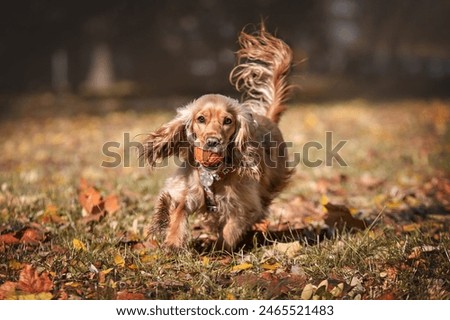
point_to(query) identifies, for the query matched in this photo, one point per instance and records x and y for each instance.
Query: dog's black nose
(212, 142)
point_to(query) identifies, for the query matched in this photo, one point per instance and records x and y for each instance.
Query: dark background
(163, 48)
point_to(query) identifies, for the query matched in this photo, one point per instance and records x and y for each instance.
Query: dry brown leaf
(111, 204)
(8, 239)
(125, 295)
(411, 227)
(7, 289)
(307, 292)
(95, 207)
(32, 236)
(90, 199)
(32, 282)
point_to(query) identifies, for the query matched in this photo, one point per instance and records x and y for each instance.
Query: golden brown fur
(244, 133)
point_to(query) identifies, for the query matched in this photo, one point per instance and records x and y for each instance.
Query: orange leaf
(32, 236)
(411, 227)
(7, 289)
(90, 199)
(125, 295)
(8, 239)
(112, 204)
(31, 282)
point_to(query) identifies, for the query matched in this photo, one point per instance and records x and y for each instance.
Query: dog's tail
(264, 62)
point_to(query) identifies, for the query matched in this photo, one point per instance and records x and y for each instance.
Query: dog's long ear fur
(171, 139)
(245, 148)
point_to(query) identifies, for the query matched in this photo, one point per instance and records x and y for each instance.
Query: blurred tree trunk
(100, 75)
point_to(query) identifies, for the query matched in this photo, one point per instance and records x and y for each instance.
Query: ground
(374, 227)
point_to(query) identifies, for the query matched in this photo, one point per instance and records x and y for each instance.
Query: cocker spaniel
(234, 159)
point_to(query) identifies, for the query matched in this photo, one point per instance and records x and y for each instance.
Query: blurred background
(134, 50)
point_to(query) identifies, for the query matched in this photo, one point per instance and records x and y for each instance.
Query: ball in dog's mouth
(207, 158)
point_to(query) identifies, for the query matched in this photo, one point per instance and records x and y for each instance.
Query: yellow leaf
(15, 265)
(133, 267)
(149, 258)
(205, 261)
(230, 296)
(271, 266)
(78, 245)
(119, 261)
(395, 204)
(106, 271)
(242, 266)
(72, 284)
(32, 296)
(411, 227)
(112, 284)
(323, 201)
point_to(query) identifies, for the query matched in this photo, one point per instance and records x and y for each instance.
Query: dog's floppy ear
(245, 148)
(172, 138)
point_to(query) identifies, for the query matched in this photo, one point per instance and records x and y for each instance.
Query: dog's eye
(201, 119)
(227, 121)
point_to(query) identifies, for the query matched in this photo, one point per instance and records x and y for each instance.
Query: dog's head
(213, 123)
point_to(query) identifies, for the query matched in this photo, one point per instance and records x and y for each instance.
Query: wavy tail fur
(263, 65)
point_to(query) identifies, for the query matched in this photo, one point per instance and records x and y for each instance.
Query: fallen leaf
(417, 251)
(119, 261)
(32, 236)
(34, 296)
(242, 266)
(111, 204)
(307, 292)
(31, 282)
(106, 271)
(324, 284)
(102, 275)
(125, 295)
(410, 227)
(90, 200)
(78, 245)
(230, 296)
(7, 289)
(148, 258)
(290, 249)
(8, 239)
(51, 215)
(205, 261)
(271, 266)
(93, 268)
(15, 265)
(324, 201)
(337, 291)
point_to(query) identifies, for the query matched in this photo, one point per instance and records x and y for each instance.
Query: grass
(397, 177)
